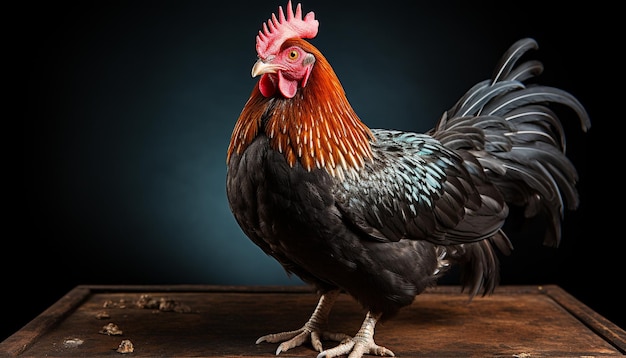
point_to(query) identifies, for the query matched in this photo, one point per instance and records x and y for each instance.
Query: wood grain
(225, 321)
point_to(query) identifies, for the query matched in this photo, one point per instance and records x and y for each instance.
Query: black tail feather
(521, 141)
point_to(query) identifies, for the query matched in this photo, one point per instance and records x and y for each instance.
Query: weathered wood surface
(516, 321)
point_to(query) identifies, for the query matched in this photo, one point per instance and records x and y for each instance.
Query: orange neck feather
(317, 127)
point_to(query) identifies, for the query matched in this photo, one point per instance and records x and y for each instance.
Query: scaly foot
(362, 343)
(312, 331)
(296, 338)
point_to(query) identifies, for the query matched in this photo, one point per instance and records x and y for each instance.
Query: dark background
(127, 110)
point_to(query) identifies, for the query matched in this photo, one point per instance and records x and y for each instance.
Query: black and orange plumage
(329, 136)
(382, 214)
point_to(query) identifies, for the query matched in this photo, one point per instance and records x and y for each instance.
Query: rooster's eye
(293, 55)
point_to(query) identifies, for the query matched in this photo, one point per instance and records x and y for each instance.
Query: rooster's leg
(362, 343)
(312, 330)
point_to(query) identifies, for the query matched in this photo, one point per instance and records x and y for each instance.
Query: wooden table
(203, 321)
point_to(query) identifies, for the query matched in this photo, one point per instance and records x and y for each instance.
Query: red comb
(277, 30)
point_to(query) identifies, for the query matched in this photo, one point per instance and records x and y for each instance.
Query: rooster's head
(284, 68)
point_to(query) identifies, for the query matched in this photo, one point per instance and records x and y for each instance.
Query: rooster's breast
(287, 211)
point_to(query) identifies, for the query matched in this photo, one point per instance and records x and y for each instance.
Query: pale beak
(261, 67)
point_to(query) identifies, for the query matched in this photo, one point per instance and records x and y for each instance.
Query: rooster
(382, 214)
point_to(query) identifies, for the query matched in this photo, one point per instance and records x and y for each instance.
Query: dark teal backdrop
(127, 109)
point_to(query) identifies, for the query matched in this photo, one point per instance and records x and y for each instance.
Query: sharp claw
(316, 341)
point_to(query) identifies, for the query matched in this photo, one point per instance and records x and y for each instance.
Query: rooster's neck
(317, 128)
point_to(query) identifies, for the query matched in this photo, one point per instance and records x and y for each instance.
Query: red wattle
(287, 87)
(267, 86)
